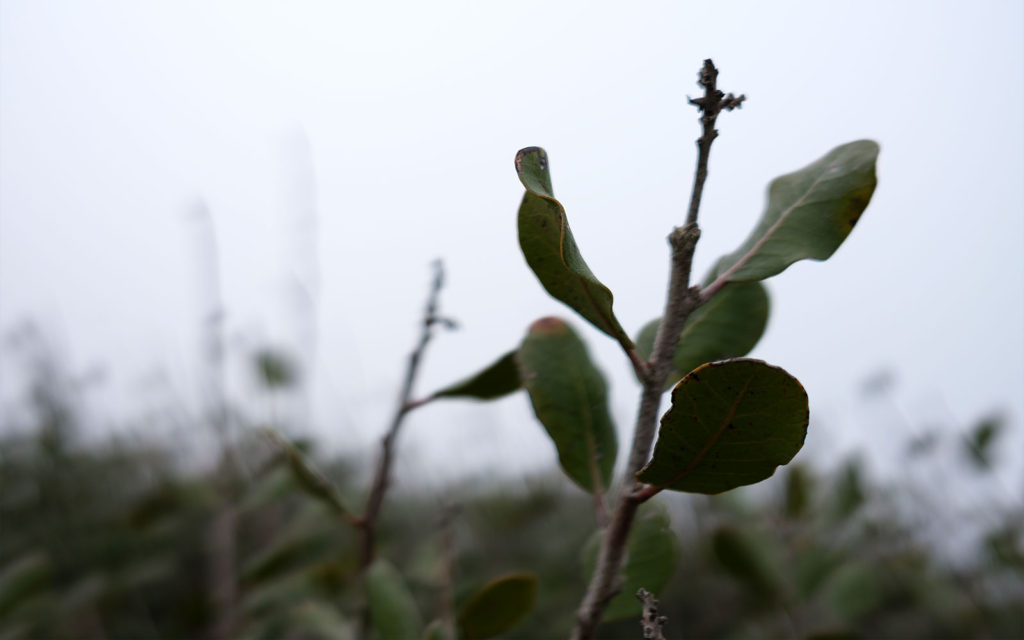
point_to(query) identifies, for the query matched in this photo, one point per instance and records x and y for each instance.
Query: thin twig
(681, 300)
(713, 102)
(382, 473)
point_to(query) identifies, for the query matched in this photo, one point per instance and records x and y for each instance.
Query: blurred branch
(650, 621)
(385, 461)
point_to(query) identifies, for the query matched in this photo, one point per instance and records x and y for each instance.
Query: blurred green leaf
(393, 611)
(731, 424)
(551, 252)
(855, 591)
(276, 370)
(569, 397)
(728, 326)
(316, 619)
(309, 479)
(849, 492)
(812, 569)
(799, 489)
(307, 539)
(978, 445)
(810, 212)
(741, 558)
(23, 578)
(498, 606)
(498, 379)
(650, 560)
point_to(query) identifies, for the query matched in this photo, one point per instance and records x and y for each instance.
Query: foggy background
(300, 166)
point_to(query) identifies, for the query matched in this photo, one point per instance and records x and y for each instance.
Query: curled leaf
(551, 252)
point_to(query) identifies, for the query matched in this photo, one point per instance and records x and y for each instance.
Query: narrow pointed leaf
(393, 610)
(308, 477)
(498, 606)
(727, 326)
(650, 560)
(551, 252)
(810, 212)
(731, 424)
(499, 379)
(570, 398)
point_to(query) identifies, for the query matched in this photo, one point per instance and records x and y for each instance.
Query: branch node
(650, 621)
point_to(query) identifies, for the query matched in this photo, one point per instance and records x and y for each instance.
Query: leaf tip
(535, 155)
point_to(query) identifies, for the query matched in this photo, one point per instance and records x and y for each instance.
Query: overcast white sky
(340, 147)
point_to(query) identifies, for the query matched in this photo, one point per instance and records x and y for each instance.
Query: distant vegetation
(120, 539)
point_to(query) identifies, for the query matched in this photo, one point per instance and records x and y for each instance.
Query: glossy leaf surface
(810, 212)
(498, 379)
(393, 611)
(731, 424)
(727, 326)
(550, 249)
(650, 560)
(498, 606)
(570, 398)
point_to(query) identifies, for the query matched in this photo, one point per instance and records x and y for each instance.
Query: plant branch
(713, 102)
(650, 621)
(680, 302)
(385, 460)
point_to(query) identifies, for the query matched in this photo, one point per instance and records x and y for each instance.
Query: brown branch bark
(680, 302)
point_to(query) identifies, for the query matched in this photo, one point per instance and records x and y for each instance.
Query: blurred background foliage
(136, 537)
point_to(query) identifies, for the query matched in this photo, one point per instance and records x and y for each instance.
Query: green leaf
(22, 579)
(309, 479)
(551, 252)
(741, 558)
(810, 213)
(650, 560)
(498, 606)
(978, 445)
(799, 491)
(499, 379)
(276, 369)
(728, 326)
(393, 611)
(848, 494)
(731, 424)
(570, 398)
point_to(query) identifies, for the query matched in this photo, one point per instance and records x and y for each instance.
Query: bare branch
(382, 473)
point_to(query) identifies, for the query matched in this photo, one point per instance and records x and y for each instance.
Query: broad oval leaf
(551, 252)
(731, 424)
(727, 326)
(650, 560)
(393, 611)
(498, 606)
(570, 398)
(810, 212)
(498, 379)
